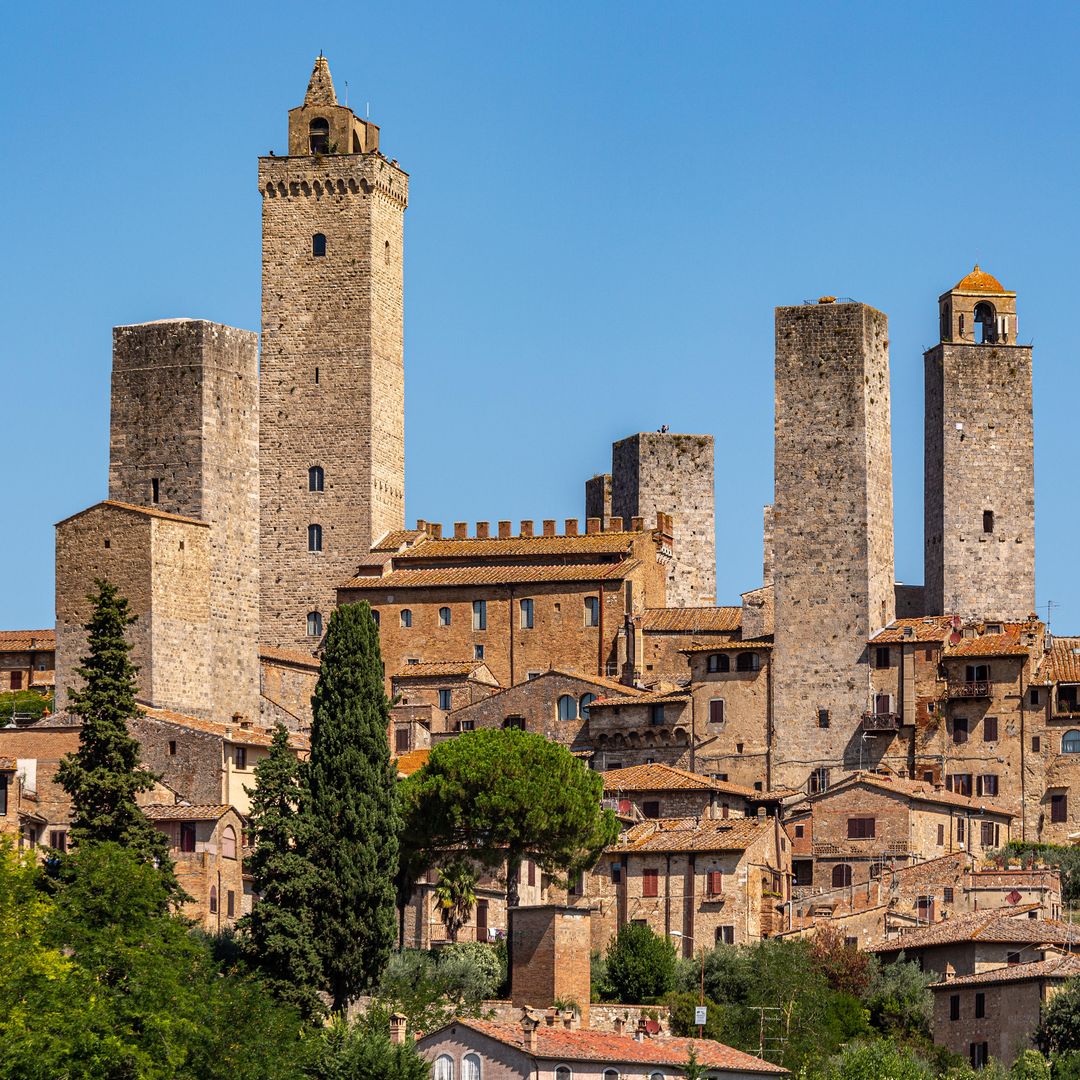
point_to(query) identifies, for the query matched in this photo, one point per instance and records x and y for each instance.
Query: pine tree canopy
(350, 810)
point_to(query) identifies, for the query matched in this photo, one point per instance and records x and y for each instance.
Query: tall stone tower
(833, 531)
(332, 389)
(979, 459)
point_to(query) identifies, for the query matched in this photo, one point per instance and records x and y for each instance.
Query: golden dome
(979, 281)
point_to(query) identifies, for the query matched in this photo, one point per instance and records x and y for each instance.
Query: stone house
(662, 791)
(1053, 745)
(446, 685)
(207, 847)
(27, 660)
(522, 604)
(661, 635)
(287, 679)
(627, 729)
(994, 1014)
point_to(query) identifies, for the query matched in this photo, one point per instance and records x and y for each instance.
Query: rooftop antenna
(1050, 605)
(346, 93)
(367, 111)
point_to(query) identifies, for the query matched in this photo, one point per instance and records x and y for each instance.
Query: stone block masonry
(833, 529)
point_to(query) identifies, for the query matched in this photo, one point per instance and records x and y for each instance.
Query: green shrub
(640, 966)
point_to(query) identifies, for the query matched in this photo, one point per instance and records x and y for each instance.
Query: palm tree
(455, 894)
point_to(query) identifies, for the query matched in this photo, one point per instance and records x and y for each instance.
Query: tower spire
(320, 89)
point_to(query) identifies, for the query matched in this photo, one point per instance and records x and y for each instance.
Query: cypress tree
(279, 937)
(104, 775)
(351, 813)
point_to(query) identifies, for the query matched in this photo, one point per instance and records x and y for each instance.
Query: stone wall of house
(1011, 1015)
(286, 690)
(44, 747)
(190, 761)
(549, 949)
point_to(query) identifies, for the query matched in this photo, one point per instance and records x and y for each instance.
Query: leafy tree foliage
(1059, 1029)
(363, 1051)
(509, 794)
(640, 966)
(876, 1060)
(278, 938)
(103, 776)
(1030, 1065)
(899, 999)
(455, 893)
(845, 968)
(350, 813)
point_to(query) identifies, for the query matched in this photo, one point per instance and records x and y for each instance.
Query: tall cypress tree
(351, 813)
(103, 776)
(279, 933)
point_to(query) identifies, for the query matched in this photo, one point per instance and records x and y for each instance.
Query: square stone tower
(832, 530)
(332, 390)
(979, 461)
(661, 472)
(184, 439)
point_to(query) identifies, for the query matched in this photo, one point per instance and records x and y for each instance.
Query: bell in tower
(978, 310)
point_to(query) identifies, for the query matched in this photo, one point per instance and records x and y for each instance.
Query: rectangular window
(1034, 695)
(800, 831)
(1059, 808)
(240, 756)
(479, 615)
(823, 718)
(861, 828)
(988, 521)
(532, 872)
(959, 729)
(954, 1007)
(616, 873)
(478, 652)
(444, 700)
(576, 885)
(466, 725)
(650, 882)
(725, 935)
(187, 836)
(960, 830)
(987, 784)
(230, 903)
(716, 711)
(58, 839)
(16, 680)
(1036, 744)
(948, 894)
(882, 657)
(980, 1006)
(990, 730)
(526, 615)
(3, 794)
(1011, 959)
(592, 611)
(172, 748)
(714, 883)
(656, 714)
(980, 1054)
(401, 740)
(803, 870)
(155, 490)
(941, 836)
(959, 783)
(651, 809)
(818, 782)
(987, 834)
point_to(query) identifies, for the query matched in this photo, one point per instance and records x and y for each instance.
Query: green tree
(878, 1060)
(278, 938)
(363, 1051)
(692, 1070)
(455, 893)
(510, 794)
(899, 999)
(350, 813)
(640, 965)
(1030, 1065)
(104, 775)
(1059, 1028)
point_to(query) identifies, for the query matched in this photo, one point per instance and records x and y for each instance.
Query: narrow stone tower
(332, 389)
(833, 531)
(979, 486)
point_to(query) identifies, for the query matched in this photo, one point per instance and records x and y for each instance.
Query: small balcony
(1067, 704)
(961, 690)
(880, 723)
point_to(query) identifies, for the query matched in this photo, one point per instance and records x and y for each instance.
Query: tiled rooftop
(145, 511)
(601, 543)
(914, 789)
(690, 620)
(25, 640)
(736, 645)
(930, 628)
(1054, 967)
(514, 574)
(692, 834)
(1062, 663)
(412, 761)
(995, 925)
(659, 777)
(674, 697)
(179, 812)
(436, 669)
(234, 733)
(289, 656)
(396, 539)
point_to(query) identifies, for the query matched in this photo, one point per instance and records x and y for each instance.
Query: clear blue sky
(607, 201)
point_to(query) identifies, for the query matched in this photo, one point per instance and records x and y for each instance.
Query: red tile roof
(299, 657)
(396, 539)
(995, 925)
(692, 834)
(1062, 664)
(691, 620)
(675, 697)
(234, 733)
(929, 628)
(979, 281)
(1008, 643)
(179, 812)
(601, 543)
(1054, 967)
(556, 1043)
(27, 640)
(913, 789)
(451, 576)
(721, 646)
(437, 669)
(656, 776)
(412, 761)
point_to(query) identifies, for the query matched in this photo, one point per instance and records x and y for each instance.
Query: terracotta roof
(42, 678)
(736, 644)
(932, 870)
(146, 511)
(602, 543)
(1063, 661)
(450, 576)
(412, 761)
(979, 281)
(692, 834)
(658, 777)
(179, 812)
(289, 656)
(930, 628)
(592, 680)
(995, 925)
(1054, 967)
(1007, 643)
(435, 669)
(675, 697)
(690, 620)
(396, 539)
(557, 1043)
(914, 789)
(26, 640)
(255, 736)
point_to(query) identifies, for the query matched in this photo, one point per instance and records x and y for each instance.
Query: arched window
(719, 662)
(314, 538)
(986, 321)
(611, 1074)
(228, 843)
(564, 1072)
(444, 616)
(747, 661)
(470, 1067)
(315, 478)
(1070, 742)
(213, 900)
(406, 617)
(318, 245)
(586, 701)
(319, 135)
(444, 1068)
(656, 1076)
(841, 876)
(314, 624)
(567, 707)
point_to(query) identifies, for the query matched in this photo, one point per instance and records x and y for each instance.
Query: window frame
(316, 479)
(584, 702)
(846, 873)
(1072, 736)
(718, 664)
(566, 708)
(526, 614)
(405, 618)
(445, 695)
(314, 619)
(592, 611)
(446, 616)
(479, 614)
(315, 538)
(228, 842)
(318, 245)
(650, 883)
(713, 719)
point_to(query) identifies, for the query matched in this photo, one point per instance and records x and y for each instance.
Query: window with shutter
(715, 882)
(1059, 808)
(990, 729)
(650, 882)
(716, 711)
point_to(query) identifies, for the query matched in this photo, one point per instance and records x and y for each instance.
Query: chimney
(637, 524)
(569, 1019)
(614, 524)
(434, 531)
(528, 1030)
(421, 525)
(397, 1028)
(619, 1024)
(505, 530)
(592, 525)
(642, 1032)
(461, 530)
(526, 528)
(571, 526)
(483, 530)
(549, 526)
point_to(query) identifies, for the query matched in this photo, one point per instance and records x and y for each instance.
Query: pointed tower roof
(320, 89)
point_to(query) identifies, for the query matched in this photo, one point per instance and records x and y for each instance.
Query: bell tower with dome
(979, 510)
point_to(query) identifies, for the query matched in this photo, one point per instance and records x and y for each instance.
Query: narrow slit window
(155, 490)
(315, 478)
(314, 537)
(988, 521)
(318, 245)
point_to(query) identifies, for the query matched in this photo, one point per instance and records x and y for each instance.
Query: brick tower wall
(979, 456)
(185, 410)
(672, 474)
(550, 957)
(598, 499)
(833, 528)
(332, 379)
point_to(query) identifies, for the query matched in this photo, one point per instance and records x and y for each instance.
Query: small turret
(978, 310)
(322, 126)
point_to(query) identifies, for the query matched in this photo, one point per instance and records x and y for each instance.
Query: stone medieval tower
(980, 474)
(332, 391)
(833, 531)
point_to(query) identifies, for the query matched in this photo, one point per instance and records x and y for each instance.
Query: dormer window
(319, 135)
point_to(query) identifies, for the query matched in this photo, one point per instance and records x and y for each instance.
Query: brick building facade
(27, 660)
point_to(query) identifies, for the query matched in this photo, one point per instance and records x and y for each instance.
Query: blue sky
(607, 201)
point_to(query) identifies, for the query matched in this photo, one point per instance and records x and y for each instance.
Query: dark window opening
(988, 521)
(318, 245)
(1059, 808)
(172, 748)
(155, 490)
(716, 711)
(314, 624)
(725, 935)
(747, 661)
(402, 740)
(861, 828)
(882, 657)
(990, 729)
(314, 538)
(187, 836)
(841, 876)
(960, 729)
(986, 323)
(315, 478)
(230, 904)
(650, 882)
(719, 662)
(650, 809)
(954, 1006)
(823, 718)
(319, 135)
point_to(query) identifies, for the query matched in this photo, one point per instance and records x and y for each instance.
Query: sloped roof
(514, 574)
(995, 925)
(735, 644)
(1007, 643)
(692, 834)
(145, 511)
(601, 543)
(656, 776)
(675, 697)
(438, 669)
(979, 281)
(913, 789)
(1055, 967)
(1062, 664)
(179, 812)
(928, 628)
(412, 761)
(254, 736)
(689, 620)
(931, 871)
(558, 1043)
(289, 656)
(396, 539)
(27, 640)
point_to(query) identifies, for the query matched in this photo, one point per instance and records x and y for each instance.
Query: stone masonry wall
(833, 528)
(672, 474)
(332, 355)
(598, 498)
(979, 457)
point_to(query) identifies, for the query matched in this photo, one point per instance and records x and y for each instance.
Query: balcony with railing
(960, 690)
(880, 723)
(855, 849)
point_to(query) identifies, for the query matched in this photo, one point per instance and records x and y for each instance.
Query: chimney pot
(461, 530)
(506, 530)
(571, 526)
(526, 528)
(398, 1023)
(483, 530)
(592, 525)
(637, 524)
(421, 525)
(435, 531)
(614, 524)
(549, 526)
